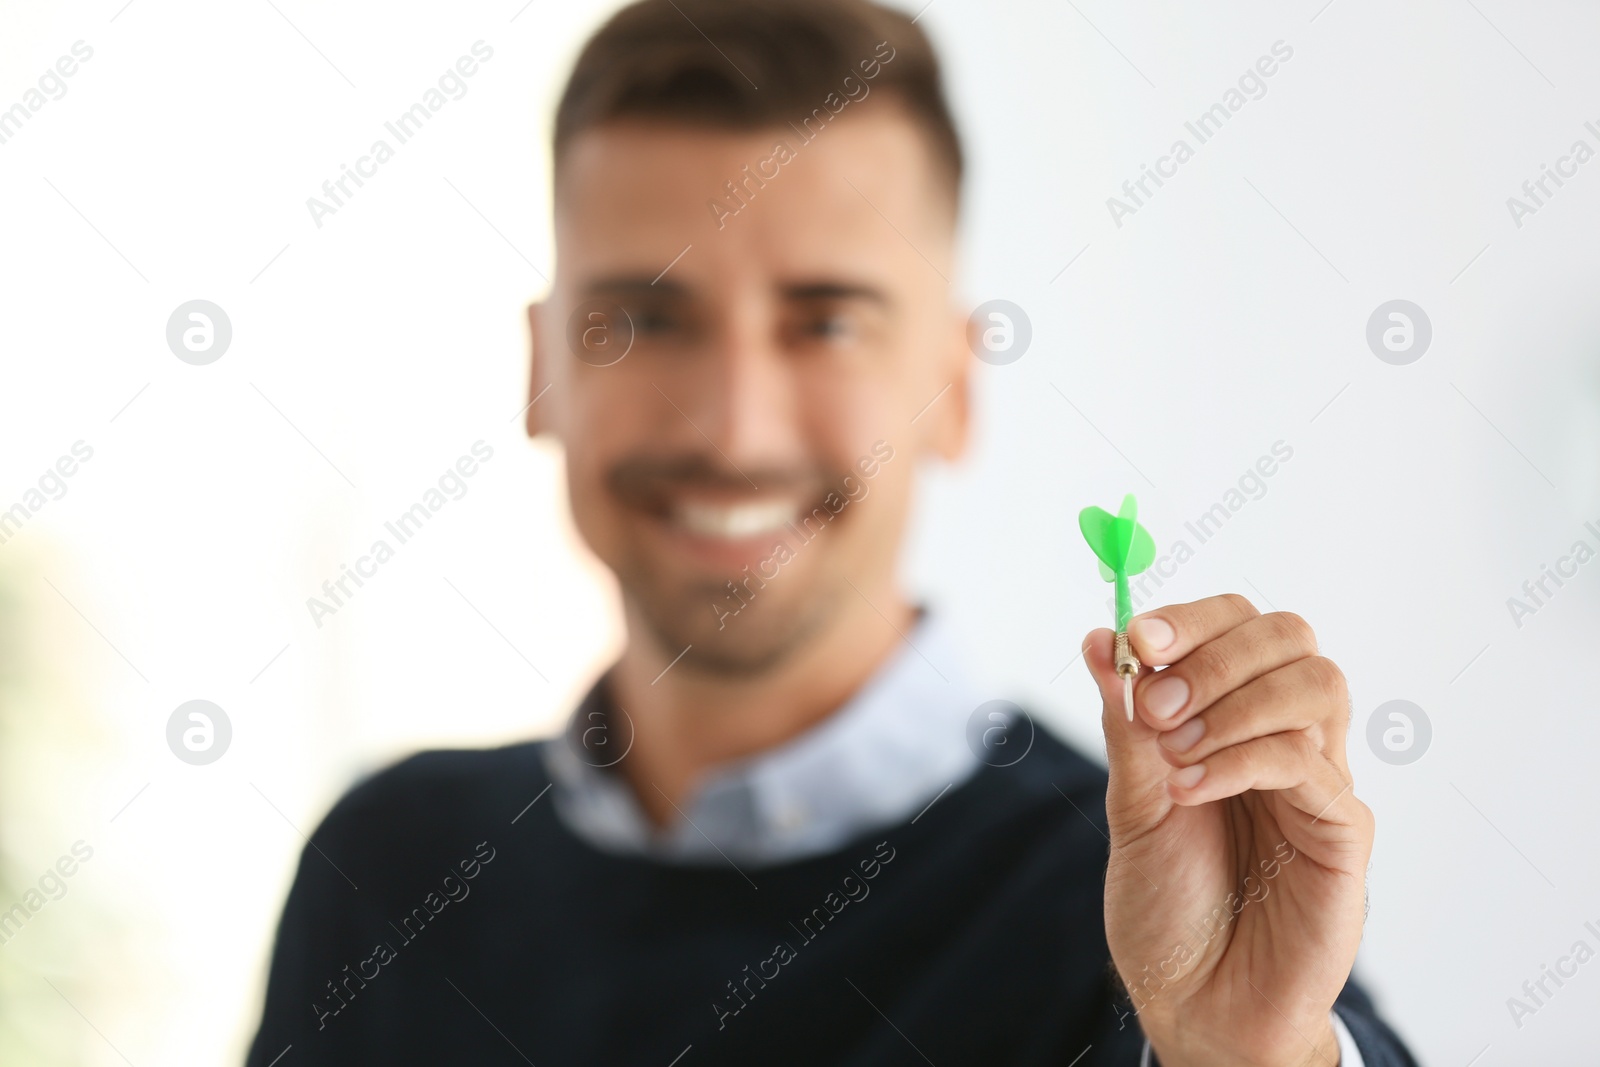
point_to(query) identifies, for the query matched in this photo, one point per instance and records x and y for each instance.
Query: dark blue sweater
(437, 918)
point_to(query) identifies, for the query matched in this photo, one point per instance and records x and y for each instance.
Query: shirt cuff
(1349, 1055)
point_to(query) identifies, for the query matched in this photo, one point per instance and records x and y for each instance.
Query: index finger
(1168, 634)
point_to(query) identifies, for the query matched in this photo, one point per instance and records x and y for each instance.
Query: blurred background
(1433, 475)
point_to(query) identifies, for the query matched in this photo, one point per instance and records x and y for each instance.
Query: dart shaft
(1124, 603)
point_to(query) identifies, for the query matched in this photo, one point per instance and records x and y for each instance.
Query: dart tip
(1127, 694)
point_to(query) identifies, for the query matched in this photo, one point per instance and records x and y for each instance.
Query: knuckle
(1240, 605)
(1329, 680)
(1303, 748)
(1355, 813)
(1293, 629)
(1213, 664)
(1261, 643)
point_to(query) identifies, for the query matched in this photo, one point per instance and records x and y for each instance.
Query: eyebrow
(836, 291)
(632, 285)
(638, 285)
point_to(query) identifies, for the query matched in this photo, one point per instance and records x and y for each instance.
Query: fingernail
(1188, 777)
(1165, 696)
(1154, 633)
(1186, 736)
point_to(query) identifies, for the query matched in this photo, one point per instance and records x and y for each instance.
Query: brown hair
(746, 64)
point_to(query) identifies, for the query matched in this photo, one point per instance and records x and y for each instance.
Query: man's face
(788, 366)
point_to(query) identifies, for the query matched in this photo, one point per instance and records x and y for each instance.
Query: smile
(734, 521)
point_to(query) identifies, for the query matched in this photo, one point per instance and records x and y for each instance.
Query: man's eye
(653, 320)
(829, 327)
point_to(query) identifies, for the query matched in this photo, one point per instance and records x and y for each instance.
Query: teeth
(736, 520)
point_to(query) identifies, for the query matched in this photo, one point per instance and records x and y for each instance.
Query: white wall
(368, 354)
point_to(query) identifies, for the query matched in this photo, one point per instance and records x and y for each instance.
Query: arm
(318, 936)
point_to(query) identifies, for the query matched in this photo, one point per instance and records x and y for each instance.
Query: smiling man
(772, 833)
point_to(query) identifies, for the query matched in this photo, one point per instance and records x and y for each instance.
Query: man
(777, 831)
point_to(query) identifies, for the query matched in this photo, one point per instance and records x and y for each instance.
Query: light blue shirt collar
(888, 753)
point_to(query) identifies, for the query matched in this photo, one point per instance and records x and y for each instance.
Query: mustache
(646, 479)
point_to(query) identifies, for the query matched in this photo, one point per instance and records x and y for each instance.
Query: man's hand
(1236, 890)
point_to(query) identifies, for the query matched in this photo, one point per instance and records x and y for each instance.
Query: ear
(953, 429)
(538, 374)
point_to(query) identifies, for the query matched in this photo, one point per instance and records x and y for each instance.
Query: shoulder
(433, 796)
(445, 773)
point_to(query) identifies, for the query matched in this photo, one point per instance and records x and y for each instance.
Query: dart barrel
(1127, 663)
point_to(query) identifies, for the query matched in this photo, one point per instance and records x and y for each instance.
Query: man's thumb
(1138, 773)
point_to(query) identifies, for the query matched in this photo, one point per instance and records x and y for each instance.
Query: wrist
(1173, 1044)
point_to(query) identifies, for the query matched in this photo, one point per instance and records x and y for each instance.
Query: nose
(744, 398)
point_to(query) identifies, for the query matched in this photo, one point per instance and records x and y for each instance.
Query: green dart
(1124, 548)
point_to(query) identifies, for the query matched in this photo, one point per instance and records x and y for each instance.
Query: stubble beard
(766, 632)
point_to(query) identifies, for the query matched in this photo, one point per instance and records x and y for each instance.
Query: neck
(689, 720)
